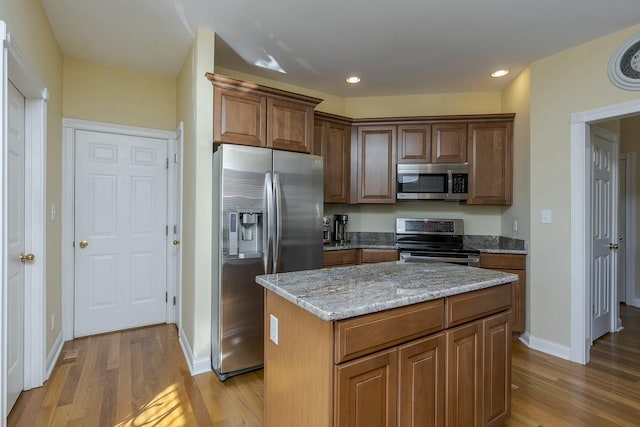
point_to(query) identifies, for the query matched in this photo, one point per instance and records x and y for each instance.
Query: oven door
(471, 260)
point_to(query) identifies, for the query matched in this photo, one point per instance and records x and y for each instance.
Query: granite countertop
(344, 292)
(486, 244)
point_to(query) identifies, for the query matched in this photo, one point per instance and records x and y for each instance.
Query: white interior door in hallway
(604, 200)
(16, 245)
(120, 232)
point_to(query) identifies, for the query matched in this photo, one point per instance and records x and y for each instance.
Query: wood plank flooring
(139, 378)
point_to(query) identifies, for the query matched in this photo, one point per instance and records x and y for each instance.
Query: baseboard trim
(53, 355)
(546, 346)
(196, 366)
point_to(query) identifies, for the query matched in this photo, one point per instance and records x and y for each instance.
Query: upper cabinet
(376, 164)
(490, 154)
(449, 143)
(414, 144)
(250, 114)
(332, 141)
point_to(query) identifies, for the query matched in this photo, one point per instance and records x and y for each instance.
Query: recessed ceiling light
(353, 79)
(499, 73)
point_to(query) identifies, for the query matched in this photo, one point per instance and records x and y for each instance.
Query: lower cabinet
(366, 391)
(345, 257)
(429, 374)
(511, 263)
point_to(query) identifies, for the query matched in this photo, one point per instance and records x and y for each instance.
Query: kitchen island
(387, 344)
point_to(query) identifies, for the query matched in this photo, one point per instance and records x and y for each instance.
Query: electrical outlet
(273, 329)
(545, 216)
(514, 225)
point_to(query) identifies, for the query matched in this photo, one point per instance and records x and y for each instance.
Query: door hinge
(175, 229)
(166, 230)
(174, 300)
(175, 158)
(167, 163)
(166, 297)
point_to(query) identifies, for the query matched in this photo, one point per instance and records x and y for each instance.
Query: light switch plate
(545, 216)
(273, 329)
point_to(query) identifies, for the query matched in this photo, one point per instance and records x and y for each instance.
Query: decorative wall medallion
(624, 67)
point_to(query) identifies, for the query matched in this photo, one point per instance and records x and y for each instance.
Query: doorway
(581, 232)
(29, 316)
(91, 145)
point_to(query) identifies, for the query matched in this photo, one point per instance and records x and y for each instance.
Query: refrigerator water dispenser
(245, 234)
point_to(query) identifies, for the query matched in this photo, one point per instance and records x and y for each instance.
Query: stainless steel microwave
(432, 181)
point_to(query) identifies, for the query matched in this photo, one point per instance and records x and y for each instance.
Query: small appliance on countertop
(340, 228)
(327, 229)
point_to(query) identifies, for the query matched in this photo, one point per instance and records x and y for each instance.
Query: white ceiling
(398, 47)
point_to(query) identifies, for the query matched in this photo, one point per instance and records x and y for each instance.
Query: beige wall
(195, 108)
(572, 81)
(381, 218)
(115, 95)
(630, 143)
(29, 27)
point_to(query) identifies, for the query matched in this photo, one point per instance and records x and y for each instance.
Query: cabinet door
(496, 332)
(366, 391)
(369, 256)
(490, 163)
(421, 390)
(414, 144)
(449, 143)
(377, 164)
(289, 126)
(340, 257)
(337, 163)
(319, 137)
(239, 118)
(464, 376)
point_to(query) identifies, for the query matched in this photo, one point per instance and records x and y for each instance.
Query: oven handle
(412, 258)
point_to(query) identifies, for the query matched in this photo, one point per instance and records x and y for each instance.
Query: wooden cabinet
(376, 164)
(414, 144)
(464, 375)
(342, 257)
(368, 256)
(421, 398)
(240, 118)
(249, 114)
(403, 366)
(490, 155)
(333, 142)
(496, 334)
(366, 391)
(449, 143)
(515, 264)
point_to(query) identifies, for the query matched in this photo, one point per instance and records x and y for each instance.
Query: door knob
(84, 244)
(613, 246)
(176, 242)
(27, 257)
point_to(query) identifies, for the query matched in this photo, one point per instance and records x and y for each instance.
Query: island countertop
(345, 292)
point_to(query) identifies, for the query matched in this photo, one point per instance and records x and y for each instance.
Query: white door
(604, 219)
(120, 232)
(16, 247)
(622, 230)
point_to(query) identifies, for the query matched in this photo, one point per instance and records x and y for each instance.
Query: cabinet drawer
(342, 257)
(508, 261)
(463, 308)
(379, 255)
(365, 334)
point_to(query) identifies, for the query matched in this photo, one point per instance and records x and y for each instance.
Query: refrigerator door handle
(278, 232)
(268, 224)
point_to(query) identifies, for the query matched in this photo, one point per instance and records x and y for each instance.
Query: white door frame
(581, 220)
(630, 220)
(14, 66)
(69, 127)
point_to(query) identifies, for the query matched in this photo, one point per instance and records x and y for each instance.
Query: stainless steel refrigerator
(267, 217)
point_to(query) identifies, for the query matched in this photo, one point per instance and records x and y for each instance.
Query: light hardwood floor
(140, 378)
